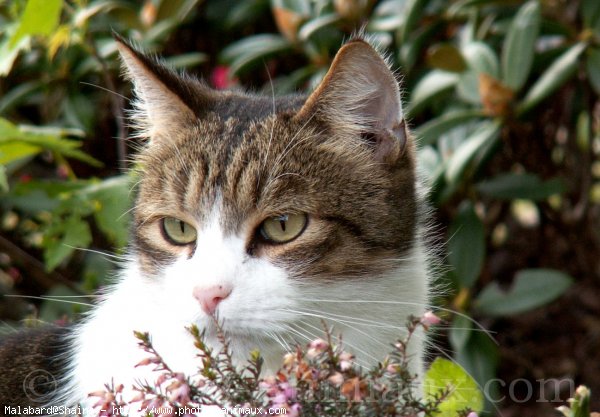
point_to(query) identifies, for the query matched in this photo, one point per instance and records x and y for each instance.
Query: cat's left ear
(360, 96)
(166, 101)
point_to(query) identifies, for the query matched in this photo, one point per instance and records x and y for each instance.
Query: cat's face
(258, 209)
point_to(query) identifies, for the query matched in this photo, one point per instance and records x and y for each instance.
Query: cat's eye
(284, 228)
(177, 231)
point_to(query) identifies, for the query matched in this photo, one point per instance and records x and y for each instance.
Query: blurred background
(502, 97)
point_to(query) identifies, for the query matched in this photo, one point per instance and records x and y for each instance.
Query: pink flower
(336, 379)
(392, 368)
(345, 361)
(294, 410)
(430, 319)
(220, 77)
(148, 361)
(318, 344)
(472, 414)
(179, 392)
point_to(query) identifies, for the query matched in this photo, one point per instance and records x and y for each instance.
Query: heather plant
(319, 379)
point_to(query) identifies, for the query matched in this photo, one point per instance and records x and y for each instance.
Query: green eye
(284, 228)
(177, 231)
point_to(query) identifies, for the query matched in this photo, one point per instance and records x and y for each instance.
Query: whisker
(448, 310)
(43, 298)
(102, 253)
(105, 89)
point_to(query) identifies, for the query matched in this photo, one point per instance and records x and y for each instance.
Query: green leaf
(460, 332)
(429, 132)
(74, 233)
(554, 77)
(312, 26)
(466, 245)
(39, 18)
(411, 48)
(189, 60)
(481, 58)
(532, 288)
(3, 180)
(113, 196)
(59, 302)
(593, 67)
(413, 11)
(520, 186)
(301, 7)
(431, 163)
(9, 53)
(590, 13)
(487, 132)
(445, 56)
(583, 129)
(518, 50)
(479, 358)
(468, 87)
(444, 374)
(13, 151)
(462, 6)
(246, 51)
(9, 133)
(18, 94)
(176, 10)
(432, 85)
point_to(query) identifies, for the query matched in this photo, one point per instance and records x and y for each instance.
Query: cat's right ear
(166, 102)
(359, 96)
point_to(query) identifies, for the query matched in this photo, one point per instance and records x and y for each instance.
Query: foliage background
(502, 96)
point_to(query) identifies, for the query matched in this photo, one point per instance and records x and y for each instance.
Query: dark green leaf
(593, 67)
(301, 7)
(518, 49)
(314, 25)
(413, 12)
(460, 332)
(555, 76)
(432, 85)
(445, 56)
(590, 13)
(412, 47)
(531, 288)
(248, 50)
(18, 94)
(468, 87)
(186, 60)
(480, 359)
(481, 58)
(466, 245)
(487, 132)
(176, 10)
(429, 133)
(524, 186)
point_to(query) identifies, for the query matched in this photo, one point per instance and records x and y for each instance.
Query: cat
(271, 212)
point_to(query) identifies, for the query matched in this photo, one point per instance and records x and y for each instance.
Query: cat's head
(274, 212)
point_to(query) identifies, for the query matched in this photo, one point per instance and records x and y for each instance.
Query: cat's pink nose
(210, 297)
